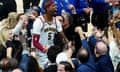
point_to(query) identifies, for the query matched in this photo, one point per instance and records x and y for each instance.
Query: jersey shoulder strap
(55, 22)
(42, 21)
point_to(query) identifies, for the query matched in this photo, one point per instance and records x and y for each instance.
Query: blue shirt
(103, 63)
(79, 5)
(90, 65)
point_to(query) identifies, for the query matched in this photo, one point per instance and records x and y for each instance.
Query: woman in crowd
(10, 48)
(10, 21)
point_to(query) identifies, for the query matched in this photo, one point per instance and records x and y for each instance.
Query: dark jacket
(104, 64)
(51, 68)
(90, 65)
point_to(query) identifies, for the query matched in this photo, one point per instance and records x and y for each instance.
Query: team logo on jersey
(50, 29)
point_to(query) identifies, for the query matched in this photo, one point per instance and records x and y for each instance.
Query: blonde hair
(11, 20)
(4, 36)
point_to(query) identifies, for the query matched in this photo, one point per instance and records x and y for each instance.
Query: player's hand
(45, 48)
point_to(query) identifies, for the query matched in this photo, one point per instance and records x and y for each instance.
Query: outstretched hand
(78, 30)
(45, 48)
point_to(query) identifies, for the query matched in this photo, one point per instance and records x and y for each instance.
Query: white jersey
(46, 31)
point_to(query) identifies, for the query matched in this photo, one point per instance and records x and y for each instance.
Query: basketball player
(44, 29)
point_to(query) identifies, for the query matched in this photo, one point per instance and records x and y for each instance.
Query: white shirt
(61, 57)
(114, 53)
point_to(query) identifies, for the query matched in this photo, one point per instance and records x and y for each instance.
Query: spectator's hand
(87, 10)
(79, 30)
(33, 54)
(71, 49)
(99, 35)
(72, 8)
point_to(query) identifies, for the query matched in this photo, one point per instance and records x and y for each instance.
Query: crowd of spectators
(53, 36)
